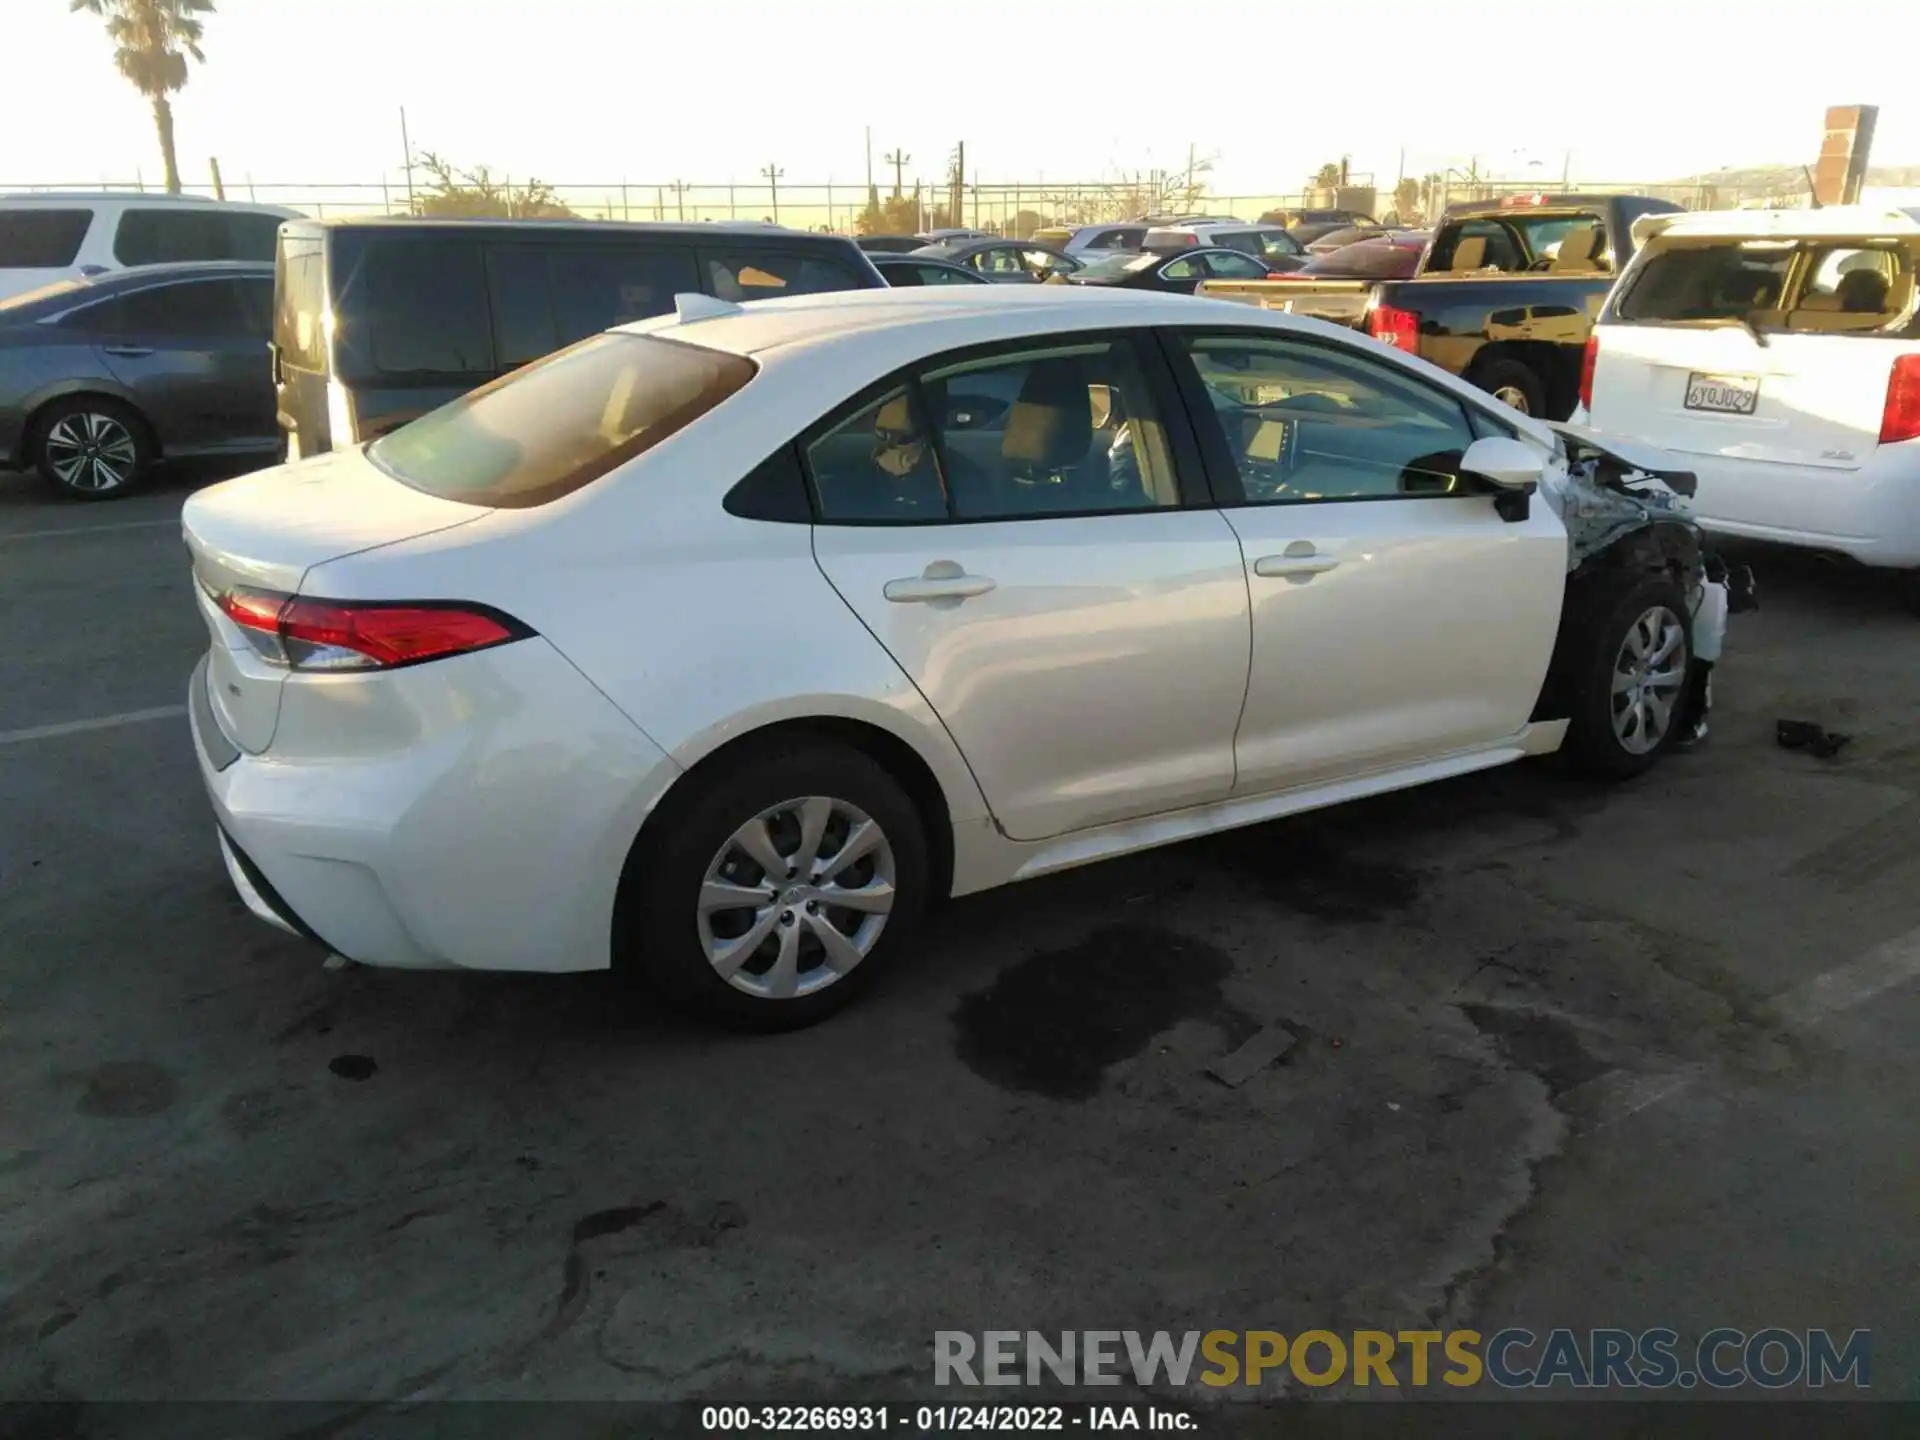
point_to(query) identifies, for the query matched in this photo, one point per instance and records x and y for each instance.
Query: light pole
(773, 174)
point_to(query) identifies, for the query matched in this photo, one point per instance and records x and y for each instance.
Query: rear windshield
(560, 423)
(36, 239)
(1811, 286)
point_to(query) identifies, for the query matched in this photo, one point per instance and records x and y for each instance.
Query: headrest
(1051, 424)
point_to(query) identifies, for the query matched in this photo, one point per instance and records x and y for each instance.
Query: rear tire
(706, 916)
(1629, 668)
(92, 448)
(1513, 384)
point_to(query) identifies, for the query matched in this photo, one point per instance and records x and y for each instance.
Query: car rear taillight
(1588, 359)
(1900, 420)
(1398, 328)
(307, 634)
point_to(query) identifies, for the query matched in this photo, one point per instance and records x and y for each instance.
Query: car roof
(1851, 220)
(902, 326)
(666, 228)
(57, 198)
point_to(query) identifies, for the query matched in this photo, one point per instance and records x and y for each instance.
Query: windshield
(560, 423)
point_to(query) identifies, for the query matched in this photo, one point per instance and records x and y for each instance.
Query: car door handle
(943, 580)
(132, 352)
(1299, 561)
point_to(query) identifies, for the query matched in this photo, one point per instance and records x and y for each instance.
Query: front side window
(941, 275)
(36, 239)
(997, 262)
(1303, 422)
(764, 275)
(1277, 243)
(1018, 434)
(1232, 265)
(560, 423)
(1187, 267)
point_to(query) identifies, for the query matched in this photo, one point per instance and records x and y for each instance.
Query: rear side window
(299, 302)
(1476, 245)
(762, 275)
(560, 423)
(596, 289)
(426, 308)
(188, 310)
(41, 239)
(148, 236)
(1730, 281)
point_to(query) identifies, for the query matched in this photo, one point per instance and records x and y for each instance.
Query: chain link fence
(1013, 207)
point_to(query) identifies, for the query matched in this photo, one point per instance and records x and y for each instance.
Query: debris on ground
(353, 1067)
(1821, 743)
(1265, 1048)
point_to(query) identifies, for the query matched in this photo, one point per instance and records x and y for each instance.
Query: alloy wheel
(1648, 674)
(91, 451)
(1514, 396)
(796, 897)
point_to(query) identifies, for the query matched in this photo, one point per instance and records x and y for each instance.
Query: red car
(1385, 257)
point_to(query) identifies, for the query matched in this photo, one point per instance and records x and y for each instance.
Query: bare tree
(151, 42)
(478, 194)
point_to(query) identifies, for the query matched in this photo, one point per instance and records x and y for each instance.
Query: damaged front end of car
(1626, 513)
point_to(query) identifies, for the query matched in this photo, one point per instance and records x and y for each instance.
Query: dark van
(377, 321)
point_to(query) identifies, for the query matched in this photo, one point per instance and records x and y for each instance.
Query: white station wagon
(719, 645)
(1776, 353)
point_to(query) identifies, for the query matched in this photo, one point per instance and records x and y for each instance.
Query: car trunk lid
(263, 533)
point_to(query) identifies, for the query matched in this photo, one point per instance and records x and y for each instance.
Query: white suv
(1778, 353)
(65, 235)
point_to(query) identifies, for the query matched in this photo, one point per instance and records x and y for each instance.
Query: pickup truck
(1504, 295)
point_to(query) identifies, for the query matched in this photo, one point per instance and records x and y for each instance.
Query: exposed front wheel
(773, 895)
(92, 448)
(1629, 702)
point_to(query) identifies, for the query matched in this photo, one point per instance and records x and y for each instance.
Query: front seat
(1469, 254)
(1576, 250)
(1045, 445)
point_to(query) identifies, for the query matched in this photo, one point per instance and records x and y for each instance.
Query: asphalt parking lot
(1559, 1056)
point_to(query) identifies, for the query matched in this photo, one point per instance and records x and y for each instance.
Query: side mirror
(1513, 466)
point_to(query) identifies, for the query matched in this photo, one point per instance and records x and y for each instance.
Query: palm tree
(151, 42)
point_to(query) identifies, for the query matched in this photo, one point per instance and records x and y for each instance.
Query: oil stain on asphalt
(1054, 1023)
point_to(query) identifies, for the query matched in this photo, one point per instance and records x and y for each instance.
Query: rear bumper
(475, 813)
(1870, 514)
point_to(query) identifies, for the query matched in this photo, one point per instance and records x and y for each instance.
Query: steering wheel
(1545, 262)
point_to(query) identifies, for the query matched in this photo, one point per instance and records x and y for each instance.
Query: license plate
(1723, 394)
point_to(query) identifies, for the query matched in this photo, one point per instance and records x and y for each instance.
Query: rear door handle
(942, 580)
(1298, 561)
(132, 352)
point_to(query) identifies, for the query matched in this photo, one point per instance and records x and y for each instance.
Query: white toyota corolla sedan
(719, 645)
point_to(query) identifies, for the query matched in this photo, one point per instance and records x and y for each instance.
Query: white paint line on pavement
(91, 529)
(99, 722)
(1855, 983)
(1607, 1101)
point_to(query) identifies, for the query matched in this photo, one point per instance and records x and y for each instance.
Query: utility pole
(219, 190)
(680, 199)
(773, 174)
(957, 185)
(870, 163)
(898, 160)
(407, 147)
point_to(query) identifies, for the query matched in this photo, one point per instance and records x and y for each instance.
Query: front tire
(1629, 677)
(778, 889)
(92, 448)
